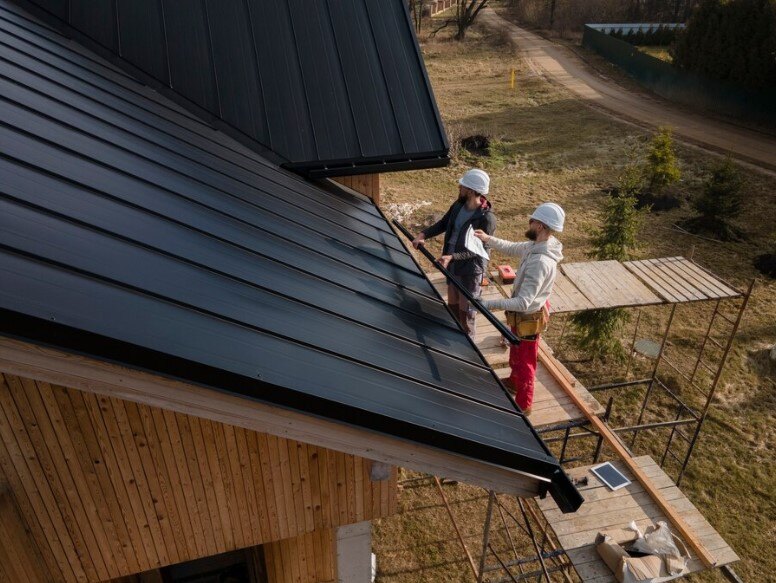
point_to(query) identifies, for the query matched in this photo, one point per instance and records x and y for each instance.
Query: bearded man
(528, 309)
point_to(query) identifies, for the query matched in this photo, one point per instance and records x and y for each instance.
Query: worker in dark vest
(472, 209)
(528, 310)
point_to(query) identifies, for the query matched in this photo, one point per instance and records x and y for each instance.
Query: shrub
(661, 169)
(733, 41)
(719, 203)
(596, 332)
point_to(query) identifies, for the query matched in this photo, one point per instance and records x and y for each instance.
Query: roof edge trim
(86, 373)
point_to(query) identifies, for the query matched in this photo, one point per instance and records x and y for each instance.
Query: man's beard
(530, 234)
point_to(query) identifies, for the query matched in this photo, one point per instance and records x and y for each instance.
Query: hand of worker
(445, 260)
(481, 235)
(416, 242)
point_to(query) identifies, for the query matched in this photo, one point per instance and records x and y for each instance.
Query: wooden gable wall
(108, 487)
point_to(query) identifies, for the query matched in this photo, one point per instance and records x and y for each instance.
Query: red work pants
(522, 361)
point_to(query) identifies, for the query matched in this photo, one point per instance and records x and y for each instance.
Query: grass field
(661, 53)
(547, 146)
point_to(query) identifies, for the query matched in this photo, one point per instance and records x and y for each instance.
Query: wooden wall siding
(19, 557)
(309, 558)
(109, 487)
(368, 184)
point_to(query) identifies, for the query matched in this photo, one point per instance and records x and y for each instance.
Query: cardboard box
(646, 569)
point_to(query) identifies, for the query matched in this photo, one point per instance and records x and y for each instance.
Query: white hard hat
(476, 179)
(551, 215)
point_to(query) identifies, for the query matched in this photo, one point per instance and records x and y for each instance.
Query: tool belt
(529, 325)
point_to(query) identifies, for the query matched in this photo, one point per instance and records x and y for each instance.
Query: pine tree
(662, 168)
(596, 332)
(719, 203)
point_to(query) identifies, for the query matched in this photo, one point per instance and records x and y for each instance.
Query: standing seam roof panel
(192, 73)
(331, 87)
(333, 127)
(149, 51)
(146, 250)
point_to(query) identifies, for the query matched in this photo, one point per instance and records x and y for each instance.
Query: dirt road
(561, 65)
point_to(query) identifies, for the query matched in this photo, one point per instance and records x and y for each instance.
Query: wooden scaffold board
(676, 279)
(604, 509)
(607, 284)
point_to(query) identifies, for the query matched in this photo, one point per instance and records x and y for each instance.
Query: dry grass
(548, 146)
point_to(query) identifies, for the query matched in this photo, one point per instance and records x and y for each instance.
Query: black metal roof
(333, 87)
(132, 231)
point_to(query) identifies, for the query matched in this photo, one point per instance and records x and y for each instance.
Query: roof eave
(355, 166)
(84, 372)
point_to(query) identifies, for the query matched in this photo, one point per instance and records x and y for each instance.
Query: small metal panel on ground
(604, 509)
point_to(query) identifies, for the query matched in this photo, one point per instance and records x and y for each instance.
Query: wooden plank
(566, 297)
(723, 289)
(607, 284)
(190, 458)
(50, 459)
(219, 485)
(613, 441)
(273, 516)
(89, 456)
(640, 270)
(149, 448)
(295, 492)
(252, 488)
(231, 466)
(16, 478)
(178, 472)
(106, 463)
(278, 482)
(207, 484)
(20, 557)
(232, 505)
(76, 464)
(328, 500)
(307, 495)
(260, 489)
(120, 431)
(24, 459)
(658, 268)
(669, 266)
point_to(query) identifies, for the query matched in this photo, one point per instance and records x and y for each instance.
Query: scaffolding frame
(548, 557)
(686, 415)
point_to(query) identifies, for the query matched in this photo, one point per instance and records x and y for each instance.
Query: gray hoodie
(534, 279)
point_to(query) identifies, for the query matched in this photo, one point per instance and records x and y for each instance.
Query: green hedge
(733, 41)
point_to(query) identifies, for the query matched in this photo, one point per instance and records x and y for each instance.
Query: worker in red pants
(528, 309)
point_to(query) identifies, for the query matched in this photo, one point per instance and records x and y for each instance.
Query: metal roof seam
(230, 243)
(298, 224)
(229, 276)
(262, 331)
(320, 200)
(259, 75)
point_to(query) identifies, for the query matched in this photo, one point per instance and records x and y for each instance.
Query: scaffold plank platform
(566, 297)
(604, 509)
(676, 279)
(551, 406)
(608, 284)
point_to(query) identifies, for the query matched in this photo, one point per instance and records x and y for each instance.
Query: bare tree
(465, 13)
